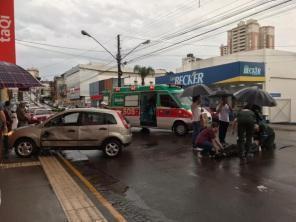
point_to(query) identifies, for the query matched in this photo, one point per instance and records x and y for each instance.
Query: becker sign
(188, 79)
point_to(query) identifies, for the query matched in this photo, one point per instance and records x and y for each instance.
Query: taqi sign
(7, 36)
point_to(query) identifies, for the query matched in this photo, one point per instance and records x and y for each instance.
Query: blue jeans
(196, 129)
(207, 147)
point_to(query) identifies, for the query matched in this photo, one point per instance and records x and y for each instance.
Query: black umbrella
(221, 93)
(197, 90)
(255, 96)
(14, 76)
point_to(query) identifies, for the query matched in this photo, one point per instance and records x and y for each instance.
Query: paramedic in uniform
(246, 120)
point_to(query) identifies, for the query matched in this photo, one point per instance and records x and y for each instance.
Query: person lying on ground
(208, 141)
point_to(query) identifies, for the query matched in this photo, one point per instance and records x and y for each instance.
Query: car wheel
(180, 128)
(25, 147)
(112, 148)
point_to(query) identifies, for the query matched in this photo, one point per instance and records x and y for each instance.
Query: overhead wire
(215, 19)
(60, 52)
(211, 30)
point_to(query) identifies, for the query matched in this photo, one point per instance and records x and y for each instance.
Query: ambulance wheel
(180, 128)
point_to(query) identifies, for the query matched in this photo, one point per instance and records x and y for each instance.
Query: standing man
(246, 120)
(8, 115)
(3, 129)
(103, 105)
(224, 111)
(196, 112)
(21, 115)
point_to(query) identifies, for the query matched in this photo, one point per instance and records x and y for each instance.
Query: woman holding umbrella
(196, 113)
(224, 110)
(196, 91)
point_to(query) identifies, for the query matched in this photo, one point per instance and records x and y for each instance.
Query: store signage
(7, 38)
(189, 79)
(253, 71)
(276, 94)
(214, 74)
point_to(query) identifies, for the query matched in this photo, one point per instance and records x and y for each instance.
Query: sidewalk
(284, 127)
(43, 190)
(27, 195)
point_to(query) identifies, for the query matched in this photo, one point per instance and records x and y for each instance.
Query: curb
(118, 216)
(283, 129)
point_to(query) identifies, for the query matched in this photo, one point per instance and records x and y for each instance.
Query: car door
(93, 129)
(61, 131)
(166, 111)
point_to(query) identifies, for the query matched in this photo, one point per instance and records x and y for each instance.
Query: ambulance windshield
(185, 101)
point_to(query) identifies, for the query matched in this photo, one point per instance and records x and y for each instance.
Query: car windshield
(185, 101)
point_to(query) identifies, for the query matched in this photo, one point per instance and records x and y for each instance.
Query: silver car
(85, 128)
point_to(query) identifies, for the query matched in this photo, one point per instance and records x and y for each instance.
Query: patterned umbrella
(255, 96)
(197, 90)
(13, 76)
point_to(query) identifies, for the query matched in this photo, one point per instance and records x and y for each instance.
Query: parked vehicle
(39, 115)
(83, 128)
(156, 106)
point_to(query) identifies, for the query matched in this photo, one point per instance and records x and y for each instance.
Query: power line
(60, 52)
(209, 20)
(211, 30)
(213, 20)
(179, 11)
(166, 15)
(57, 46)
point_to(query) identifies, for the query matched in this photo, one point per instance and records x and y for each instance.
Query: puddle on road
(74, 155)
(133, 196)
(149, 145)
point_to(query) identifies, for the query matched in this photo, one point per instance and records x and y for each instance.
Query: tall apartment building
(248, 36)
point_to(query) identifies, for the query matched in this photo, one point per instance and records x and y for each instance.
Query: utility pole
(118, 59)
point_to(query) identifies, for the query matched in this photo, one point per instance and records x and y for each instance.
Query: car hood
(30, 128)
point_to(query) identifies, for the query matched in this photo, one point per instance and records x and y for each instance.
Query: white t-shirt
(196, 111)
(224, 113)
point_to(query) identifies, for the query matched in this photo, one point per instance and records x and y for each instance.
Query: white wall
(280, 69)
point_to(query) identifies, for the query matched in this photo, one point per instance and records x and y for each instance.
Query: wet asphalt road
(158, 178)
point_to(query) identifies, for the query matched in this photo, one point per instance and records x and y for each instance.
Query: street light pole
(118, 56)
(118, 59)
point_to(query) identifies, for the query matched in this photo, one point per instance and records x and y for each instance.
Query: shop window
(131, 100)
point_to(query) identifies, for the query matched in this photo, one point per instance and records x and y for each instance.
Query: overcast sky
(59, 22)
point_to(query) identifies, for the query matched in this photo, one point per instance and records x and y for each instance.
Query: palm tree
(143, 72)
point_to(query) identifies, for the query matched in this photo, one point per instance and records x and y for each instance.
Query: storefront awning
(235, 72)
(13, 76)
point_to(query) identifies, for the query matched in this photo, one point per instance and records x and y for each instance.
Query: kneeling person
(265, 136)
(207, 140)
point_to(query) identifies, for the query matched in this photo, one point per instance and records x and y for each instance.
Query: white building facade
(279, 77)
(79, 78)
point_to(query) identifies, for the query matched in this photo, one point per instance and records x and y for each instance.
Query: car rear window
(110, 119)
